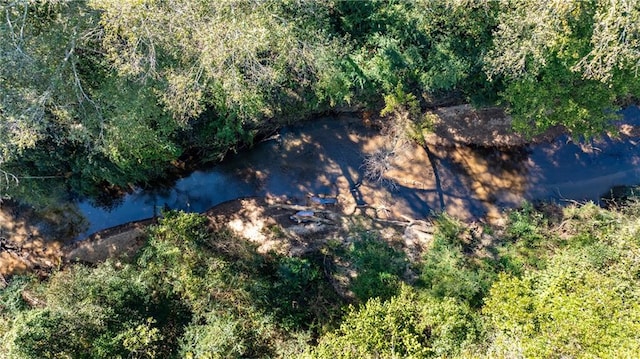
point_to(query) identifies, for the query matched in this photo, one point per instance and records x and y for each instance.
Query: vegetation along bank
(101, 94)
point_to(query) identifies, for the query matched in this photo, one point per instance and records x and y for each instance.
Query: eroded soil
(459, 170)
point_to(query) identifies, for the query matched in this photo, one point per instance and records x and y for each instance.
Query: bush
(448, 272)
(405, 326)
(379, 267)
(583, 302)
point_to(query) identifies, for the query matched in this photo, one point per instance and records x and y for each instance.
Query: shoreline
(28, 249)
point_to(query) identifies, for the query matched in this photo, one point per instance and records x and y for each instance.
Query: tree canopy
(568, 289)
(569, 63)
(113, 91)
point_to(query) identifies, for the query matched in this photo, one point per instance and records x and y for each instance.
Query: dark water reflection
(326, 156)
(569, 170)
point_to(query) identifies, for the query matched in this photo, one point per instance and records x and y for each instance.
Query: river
(325, 157)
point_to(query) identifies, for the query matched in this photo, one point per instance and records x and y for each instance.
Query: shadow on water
(570, 170)
(436, 177)
(325, 157)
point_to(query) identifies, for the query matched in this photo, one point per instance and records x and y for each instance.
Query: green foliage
(405, 326)
(591, 221)
(422, 47)
(86, 313)
(192, 293)
(460, 32)
(241, 302)
(142, 340)
(583, 303)
(42, 85)
(175, 263)
(400, 101)
(559, 97)
(196, 293)
(219, 337)
(117, 95)
(11, 305)
(65, 112)
(11, 301)
(549, 56)
(528, 243)
(570, 309)
(235, 58)
(378, 267)
(526, 224)
(298, 284)
(50, 334)
(111, 92)
(448, 272)
(138, 133)
(422, 125)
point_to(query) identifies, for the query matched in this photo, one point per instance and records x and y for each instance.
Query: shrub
(405, 326)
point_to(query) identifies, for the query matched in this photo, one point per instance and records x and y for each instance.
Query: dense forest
(99, 94)
(106, 93)
(549, 287)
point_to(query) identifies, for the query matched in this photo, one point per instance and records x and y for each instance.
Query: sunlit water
(326, 156)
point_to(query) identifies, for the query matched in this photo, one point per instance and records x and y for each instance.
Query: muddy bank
(454, 172)
(32, 240)
(269, 223)
(489, 127)
(122, 241)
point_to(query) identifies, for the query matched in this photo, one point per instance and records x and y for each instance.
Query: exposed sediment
(28, 244)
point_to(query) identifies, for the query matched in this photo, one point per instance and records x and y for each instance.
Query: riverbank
(268, 223)
(310, 292)
(455, 172)
(488, 127)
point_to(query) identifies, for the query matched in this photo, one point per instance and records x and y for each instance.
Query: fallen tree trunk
(297, 207)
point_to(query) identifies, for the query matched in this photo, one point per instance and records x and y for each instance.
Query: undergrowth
(549, 287)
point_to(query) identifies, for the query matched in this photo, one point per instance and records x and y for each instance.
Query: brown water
(325, 157)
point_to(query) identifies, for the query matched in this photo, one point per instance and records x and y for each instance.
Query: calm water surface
(326, 156)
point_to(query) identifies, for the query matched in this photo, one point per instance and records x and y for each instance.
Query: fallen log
(324, 201)
(390, 221)
(297, 207)
(304, 219)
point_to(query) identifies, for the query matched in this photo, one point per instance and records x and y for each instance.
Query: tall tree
(43, 89)
(565, 63)
(58, 97)
(236, 57)
(125, 85)
(425, 48)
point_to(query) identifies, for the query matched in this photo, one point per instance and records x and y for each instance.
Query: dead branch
(396, 223)
(305, 219)
(32, 300)
(297, 207)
